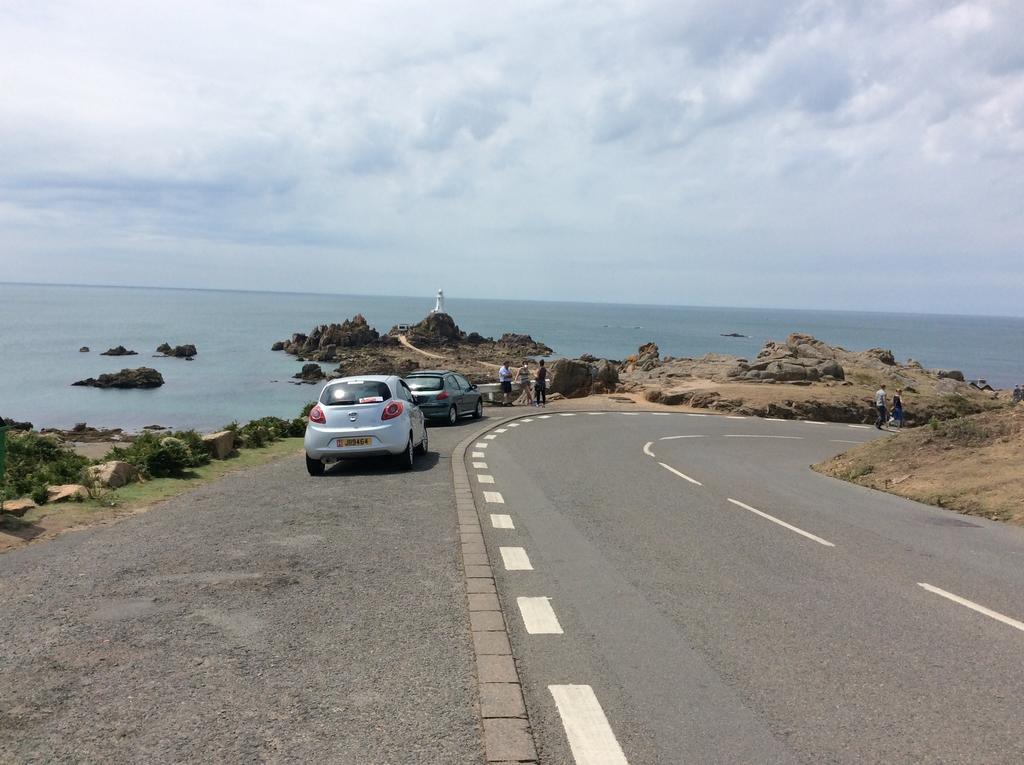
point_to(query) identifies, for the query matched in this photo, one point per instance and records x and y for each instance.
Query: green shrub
(163, 456)
(35, 462)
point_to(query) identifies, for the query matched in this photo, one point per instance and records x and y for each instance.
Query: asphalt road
(707, 631)
(267, 617)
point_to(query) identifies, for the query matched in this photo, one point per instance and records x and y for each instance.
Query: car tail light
(316, 414)
(392, 410)
(442, 395)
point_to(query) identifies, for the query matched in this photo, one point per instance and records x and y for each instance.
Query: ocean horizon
(236, 376)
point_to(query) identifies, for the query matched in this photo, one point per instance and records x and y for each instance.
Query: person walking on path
(540, 385)
(525, 395)
(505, 380)
(897, 407)
(1018, 394)
(880, 406)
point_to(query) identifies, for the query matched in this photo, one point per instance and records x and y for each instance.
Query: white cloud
(657, 141)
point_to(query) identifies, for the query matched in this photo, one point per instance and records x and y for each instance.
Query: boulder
(179, 351)
(951, 374)
(114, 474)
(572, 379)
(66, 492)
(84, 349)
(220, 445)
(648, 357)
(278, 346)
(606, 377)
(18, 507)
(310, 373)
(118, 351)
(143, 377)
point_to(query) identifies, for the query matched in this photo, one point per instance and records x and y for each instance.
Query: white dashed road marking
(477, 455)
(501, 430)
(776, 419)
(630, 414)
(662, 414)
(566, 414)
(773, 519)
(502, 521)
(515, 559)
(590, 736)
(491, 437)
(538, 616)
(526, 419)
(735, 417)
(974, 606)
(480, 466)
(494, 497)
(681, 475)
(690, 414)
(512, 425)
(481, 445)
(842, 441)
(865, 427)
(647, 448)
(814, 422)
(485, 478)
(595, 412)
(544, 417)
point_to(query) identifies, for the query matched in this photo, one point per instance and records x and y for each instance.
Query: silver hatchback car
(366, 416)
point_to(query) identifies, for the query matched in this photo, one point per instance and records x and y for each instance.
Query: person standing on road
(540, 385)
(897, 407)
(505, 380)
(525, 395)
(880, 406)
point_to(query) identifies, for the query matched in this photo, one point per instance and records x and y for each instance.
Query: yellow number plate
(355, 441)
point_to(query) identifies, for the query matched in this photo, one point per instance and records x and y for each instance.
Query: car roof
(421, 372)
(371, 378)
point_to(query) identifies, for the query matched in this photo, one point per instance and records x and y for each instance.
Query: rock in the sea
(66, 492)
(220, 445)
(310, 373)
(118, 351)
(84, 349)
(186, 351)
(143, 377)
(113, 474)
(278, 346)
(323, 342)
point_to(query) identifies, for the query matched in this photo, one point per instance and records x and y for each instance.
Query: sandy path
(403, 340)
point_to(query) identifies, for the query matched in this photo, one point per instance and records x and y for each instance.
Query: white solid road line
(647, 448)
(515, 559)
(590, 736)
(681, 475)
(773, 519)
(974, 606)
(494, 497)
(737, 435)
(673, 438)
(538, 616)
(480, 445)
(485, 478)
(502, 521)
(478, 455)
(480, 465)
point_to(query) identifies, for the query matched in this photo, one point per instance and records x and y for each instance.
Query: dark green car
(442, 394)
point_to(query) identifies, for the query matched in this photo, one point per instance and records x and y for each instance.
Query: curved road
(683, 588)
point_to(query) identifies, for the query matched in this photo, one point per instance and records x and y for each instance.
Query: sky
(850, 155)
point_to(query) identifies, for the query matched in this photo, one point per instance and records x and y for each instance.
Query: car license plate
(355, 441)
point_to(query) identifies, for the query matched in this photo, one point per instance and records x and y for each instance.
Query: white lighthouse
(439, 306)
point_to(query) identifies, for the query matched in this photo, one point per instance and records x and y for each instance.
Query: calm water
(237, 376)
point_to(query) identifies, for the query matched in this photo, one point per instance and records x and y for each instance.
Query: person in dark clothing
(540, 385)
(897, 408)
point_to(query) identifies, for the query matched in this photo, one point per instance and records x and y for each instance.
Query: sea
(236, 377)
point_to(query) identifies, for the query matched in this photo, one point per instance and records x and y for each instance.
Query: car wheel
(479, 411)
(314, 467)
(407, 458)
(453, 415)
(422, 448)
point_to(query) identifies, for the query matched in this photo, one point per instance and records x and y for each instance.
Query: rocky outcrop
(84, 349)
(14, 424)
(950, 374)
(187, 351)
(310, 373)
(325, 341)
(606, 377)
(143, 377)
(119, 351)
(113, 474)
(220, 445)
(800, 358)
(570, 378)
(18, 507)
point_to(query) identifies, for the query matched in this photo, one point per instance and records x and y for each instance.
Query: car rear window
(355, 392)
(424, 383)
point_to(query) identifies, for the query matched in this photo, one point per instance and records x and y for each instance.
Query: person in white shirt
(880, 406)
(505, 379)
